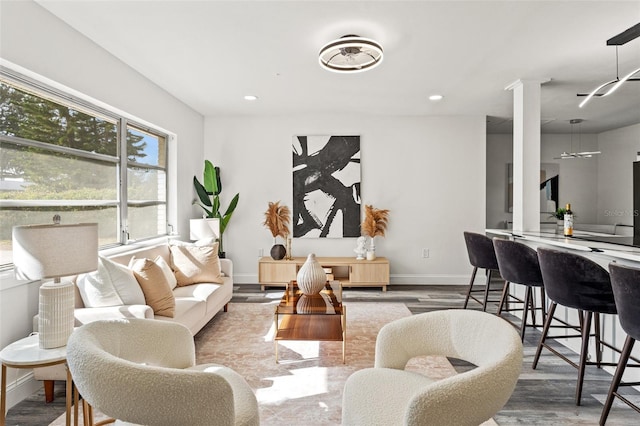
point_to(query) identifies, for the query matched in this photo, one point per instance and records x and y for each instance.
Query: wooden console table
(349, 271)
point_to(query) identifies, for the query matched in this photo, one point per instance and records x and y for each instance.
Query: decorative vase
(311, 277)
(278, 252)
(371, 251)
(288, 250)
(310, 304)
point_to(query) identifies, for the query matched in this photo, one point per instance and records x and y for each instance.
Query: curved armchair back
(471, 397)
(136, 370)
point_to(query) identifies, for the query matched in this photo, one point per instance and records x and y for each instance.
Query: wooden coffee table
(320, 317)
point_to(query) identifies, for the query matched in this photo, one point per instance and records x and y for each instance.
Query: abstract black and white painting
(326, 186)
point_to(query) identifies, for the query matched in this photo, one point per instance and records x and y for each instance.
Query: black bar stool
(481, 255)
(625, 281)
(576, 282)
(519, 265)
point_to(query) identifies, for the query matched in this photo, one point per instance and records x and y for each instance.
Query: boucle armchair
(389, 395)
(143, 371)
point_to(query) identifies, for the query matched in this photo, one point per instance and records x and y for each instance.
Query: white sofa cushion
(214, 295)
(124, 282)
(111, 285)
(189, 312)
(96, 288)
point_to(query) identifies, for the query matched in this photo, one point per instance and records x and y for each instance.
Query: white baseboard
(20, 388)
(397, 279)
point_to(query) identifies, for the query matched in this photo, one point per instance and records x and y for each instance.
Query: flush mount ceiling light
(580, 154)
(350, 53)
(622, 38)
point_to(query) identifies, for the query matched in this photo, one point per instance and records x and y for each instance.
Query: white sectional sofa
(195, 304)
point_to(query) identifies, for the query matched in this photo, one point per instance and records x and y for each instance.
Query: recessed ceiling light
(435, 97)
(250, 98)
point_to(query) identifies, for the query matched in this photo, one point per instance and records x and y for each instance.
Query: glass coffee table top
(319, 317)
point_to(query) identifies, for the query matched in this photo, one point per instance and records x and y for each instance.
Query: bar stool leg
(473, 277)
(503, 298)
(545, 331)
(596, 324)
(586, 330)
(525, 312)
(617, 378)
(543, 303)
(486, 291)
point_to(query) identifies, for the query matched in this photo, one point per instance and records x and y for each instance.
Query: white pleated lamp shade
(54, 251)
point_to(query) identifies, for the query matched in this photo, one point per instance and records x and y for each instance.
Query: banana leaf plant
(209, 198)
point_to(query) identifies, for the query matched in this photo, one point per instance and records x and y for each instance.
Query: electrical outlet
(260, 252)
(425, 252)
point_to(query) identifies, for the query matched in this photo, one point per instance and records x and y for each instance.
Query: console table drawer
(277, 273)
(375, 273)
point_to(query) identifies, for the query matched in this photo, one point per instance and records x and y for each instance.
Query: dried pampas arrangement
(277, 219)
(375, 221)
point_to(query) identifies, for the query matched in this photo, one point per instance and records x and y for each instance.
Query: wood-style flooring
(544, 396)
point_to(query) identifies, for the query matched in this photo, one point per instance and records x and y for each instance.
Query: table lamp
(200, 229)
(55, 251)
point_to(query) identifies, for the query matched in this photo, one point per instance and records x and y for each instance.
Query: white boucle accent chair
(143, 371)
(388, 395)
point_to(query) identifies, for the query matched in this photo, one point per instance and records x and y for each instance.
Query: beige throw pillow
(154, 284)
(196, 264)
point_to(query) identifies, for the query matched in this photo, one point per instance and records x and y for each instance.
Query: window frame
(123, 122)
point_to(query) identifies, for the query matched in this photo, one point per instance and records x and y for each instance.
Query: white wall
(615, 170)
(428, 171)
(32, 38)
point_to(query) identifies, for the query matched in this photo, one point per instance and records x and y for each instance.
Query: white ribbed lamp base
(56, 319)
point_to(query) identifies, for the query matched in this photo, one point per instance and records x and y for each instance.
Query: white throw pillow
(166, 270)
(96, 288)
(124, 282)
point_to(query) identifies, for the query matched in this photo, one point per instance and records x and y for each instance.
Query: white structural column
(526, 154)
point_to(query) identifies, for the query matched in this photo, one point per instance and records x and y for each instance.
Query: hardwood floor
(544, 396)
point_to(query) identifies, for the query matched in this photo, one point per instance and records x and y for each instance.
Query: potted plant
(374, 225)
(209, 199)
(277, 219)
(559, 213)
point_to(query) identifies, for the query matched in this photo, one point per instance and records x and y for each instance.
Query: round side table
(26, 353)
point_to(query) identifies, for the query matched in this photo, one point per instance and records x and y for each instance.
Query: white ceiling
(209, 54)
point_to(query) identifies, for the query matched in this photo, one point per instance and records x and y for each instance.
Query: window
(61, 155)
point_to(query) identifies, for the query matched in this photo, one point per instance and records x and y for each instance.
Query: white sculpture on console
(360, 248)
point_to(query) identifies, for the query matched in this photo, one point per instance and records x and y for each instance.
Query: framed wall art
(326, 186)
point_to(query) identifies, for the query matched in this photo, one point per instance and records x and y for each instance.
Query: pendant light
(618, 40)
(576, 154)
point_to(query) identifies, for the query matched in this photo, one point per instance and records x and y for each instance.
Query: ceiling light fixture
(436, 97)
(350, 54)
(618, 40)
(581, 154)
(250, 98)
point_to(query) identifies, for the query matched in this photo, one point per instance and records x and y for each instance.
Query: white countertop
(582, 244)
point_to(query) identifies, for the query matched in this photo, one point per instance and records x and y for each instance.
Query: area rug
(305, 387)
